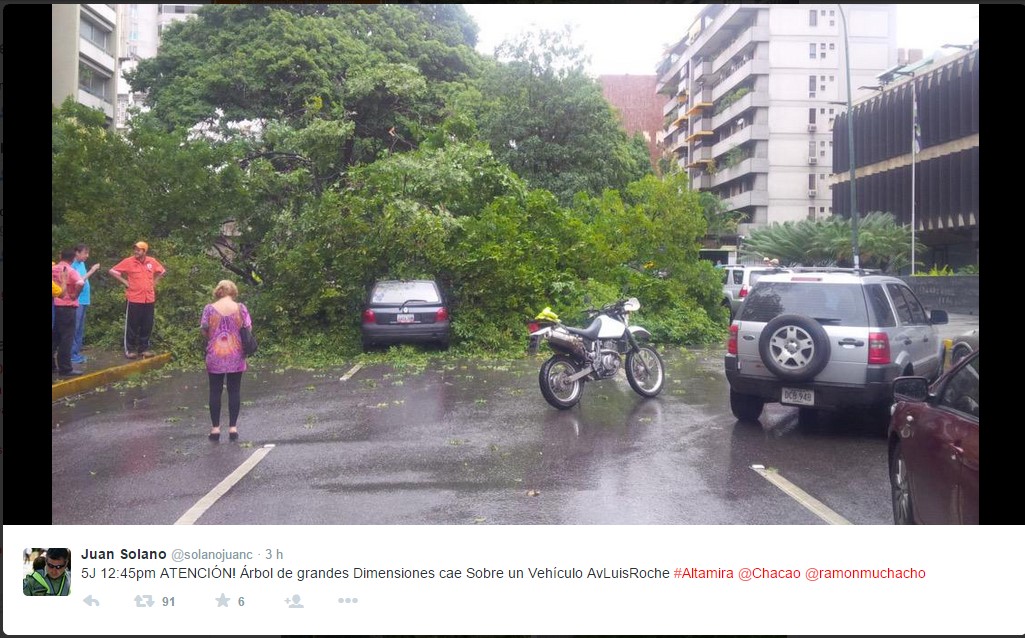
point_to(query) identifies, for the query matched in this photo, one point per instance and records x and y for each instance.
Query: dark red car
(934, 447)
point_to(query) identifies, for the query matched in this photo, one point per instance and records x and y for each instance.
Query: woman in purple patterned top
(225, 359)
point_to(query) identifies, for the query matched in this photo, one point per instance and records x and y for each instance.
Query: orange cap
(143, 245)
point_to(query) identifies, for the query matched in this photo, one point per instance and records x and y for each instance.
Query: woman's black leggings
(234, 397)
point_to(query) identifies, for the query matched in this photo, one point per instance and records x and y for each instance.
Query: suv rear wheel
(746, 407)
(794, 347)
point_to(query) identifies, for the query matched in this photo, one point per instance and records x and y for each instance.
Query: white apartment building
(752, 90)
(141, 28)
(83, 62)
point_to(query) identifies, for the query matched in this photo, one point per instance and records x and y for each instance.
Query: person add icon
(294, 604)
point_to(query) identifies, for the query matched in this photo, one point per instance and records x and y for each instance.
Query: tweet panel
(512, 579)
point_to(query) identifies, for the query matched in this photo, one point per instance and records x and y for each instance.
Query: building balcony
(701, 181)
(104, 12)
(743, 72)
(714, 32)
(750, 198)
(754, 34)
(678, 144)
(748, 166)
(756, 99)
(98, 56)
(702, 101)
(676, 125)
(744, 135)
(96, 102)
(702, 70)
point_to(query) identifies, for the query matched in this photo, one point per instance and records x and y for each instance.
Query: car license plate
(798, 397)
(407, 318)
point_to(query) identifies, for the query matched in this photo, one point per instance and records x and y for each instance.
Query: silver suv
(737, 283)
(828, 339)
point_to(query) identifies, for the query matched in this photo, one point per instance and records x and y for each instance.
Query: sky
(642, 31)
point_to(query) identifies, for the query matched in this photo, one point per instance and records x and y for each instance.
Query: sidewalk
(101, 368)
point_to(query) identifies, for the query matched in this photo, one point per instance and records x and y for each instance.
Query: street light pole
(850, 143)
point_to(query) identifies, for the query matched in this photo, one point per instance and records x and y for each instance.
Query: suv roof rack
(853, 271)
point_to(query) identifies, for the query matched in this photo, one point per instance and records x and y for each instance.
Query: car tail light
(441, 315)
(731, 345)
(533, 326)
(743, 291)
(878, 348)
(368, 316)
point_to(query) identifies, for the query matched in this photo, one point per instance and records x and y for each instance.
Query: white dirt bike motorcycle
(595, 353)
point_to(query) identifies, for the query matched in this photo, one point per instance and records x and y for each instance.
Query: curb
(94, 380)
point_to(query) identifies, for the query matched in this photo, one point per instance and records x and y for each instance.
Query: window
(832, 13)
(832, 46)
(811, 50)
(823, 55)
(811, 182)
(961, 392)
(822, 88)
(179, 8)
(823, 12)
(830, 111)
(811, 83)
(822, 46)
(811, 149)
(93, 82)
(823, 111)
(822, 78)
(811, 116)
(811, 212)
(822, 209)
(822, 153)
(822, 143)
(822, 176)
(900, 303)
(95, 33)
(832, 23)
(831, 78)
(813, 18)
(880, 306)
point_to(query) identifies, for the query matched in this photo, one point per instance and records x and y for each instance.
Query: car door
(927, 348)
(961, 396)
(939, 451)
(912, 336)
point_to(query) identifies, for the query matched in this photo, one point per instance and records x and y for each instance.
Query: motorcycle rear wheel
(645, 372)
(554, 388)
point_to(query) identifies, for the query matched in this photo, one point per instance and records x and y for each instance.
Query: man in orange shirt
(65, 309)
(142, 273)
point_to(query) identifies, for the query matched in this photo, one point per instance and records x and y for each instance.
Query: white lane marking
(205, 503)
(351, 372)
(815, 506)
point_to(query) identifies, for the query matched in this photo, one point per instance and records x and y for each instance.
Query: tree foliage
(376, 153)
(882, 243)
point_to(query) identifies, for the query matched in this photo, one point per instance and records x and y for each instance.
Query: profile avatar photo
(48, 572)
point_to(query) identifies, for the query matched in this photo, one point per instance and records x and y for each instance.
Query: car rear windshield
(829, 304)
(399, 292)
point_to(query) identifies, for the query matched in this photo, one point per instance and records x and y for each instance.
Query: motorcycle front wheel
(554, 387)
(645, 372)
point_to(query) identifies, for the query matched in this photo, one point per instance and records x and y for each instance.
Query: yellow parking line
(807, 500)
(205, 503)
(351, 372)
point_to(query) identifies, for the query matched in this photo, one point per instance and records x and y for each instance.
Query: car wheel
(900, 488)
(746, 407)
(794, 347)
(958, 352)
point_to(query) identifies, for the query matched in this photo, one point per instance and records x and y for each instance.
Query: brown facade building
(639, 107)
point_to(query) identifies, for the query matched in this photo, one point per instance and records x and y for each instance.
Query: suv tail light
(731, 345)
(441, 315)
(368, 316)
(878, 348)
(744, 290)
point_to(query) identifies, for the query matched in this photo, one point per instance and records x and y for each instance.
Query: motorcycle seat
(590, 332)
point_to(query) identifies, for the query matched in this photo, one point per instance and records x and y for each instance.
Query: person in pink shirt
(139, 275)
(65, 309)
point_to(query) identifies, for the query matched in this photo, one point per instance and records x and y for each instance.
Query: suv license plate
(404, 318)
(798, 397)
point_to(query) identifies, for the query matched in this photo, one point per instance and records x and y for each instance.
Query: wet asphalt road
(457, 443)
